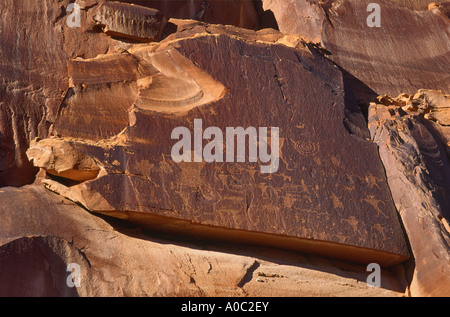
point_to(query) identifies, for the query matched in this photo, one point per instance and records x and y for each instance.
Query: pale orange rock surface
(43, 233)
(377, 60)
(58, 158)
(130, 21)
(414, 151)
(86, 115)
(212, 75)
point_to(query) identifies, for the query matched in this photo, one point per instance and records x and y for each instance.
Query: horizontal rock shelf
(316, 193)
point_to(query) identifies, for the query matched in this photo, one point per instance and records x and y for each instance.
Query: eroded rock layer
(36, 43)
(41, 234)
(410, 49)
(418, 172)
(131, 21)
(241, 13)
(180, 152)
(316, 197)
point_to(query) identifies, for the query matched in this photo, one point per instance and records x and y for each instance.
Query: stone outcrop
(33, 83)
(378, 60)
(418, 172)
(58, 158)
(291, 206)
(422, 5)
(443, 7)
(42, 233)
(33, 74)
(241, 13)
(305, 18)
(182, 148)
(130, 21)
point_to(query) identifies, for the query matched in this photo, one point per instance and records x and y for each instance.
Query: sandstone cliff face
(46, 232)
(34, 54)
(297, 203)
(131, 22)
(292, 201)
(409, 51)
(241, 13)
(418, 172)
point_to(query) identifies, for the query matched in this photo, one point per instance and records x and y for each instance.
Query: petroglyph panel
(328, 196)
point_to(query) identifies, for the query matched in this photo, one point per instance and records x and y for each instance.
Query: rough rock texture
(241, 13)
(162, 81)
(92, 107)
(58, 158)
(379, 60)
(42, 233)
(434, 106)
(305, 18)
(33, 67)
(418, 171)
(422, 5)
(440, 6)
(32, 83)
(36, 45)
(313, 187)
(131, 21)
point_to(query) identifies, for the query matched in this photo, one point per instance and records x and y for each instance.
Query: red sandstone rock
(36, 44)
(58, 158)
(418, 172)
(113, 103)
(305, 18)
(441, 6)
(414, 4)
(313, 200)
(241, 13)
(32, 83)
(131, 21)
(41, 233)
(379, 60)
